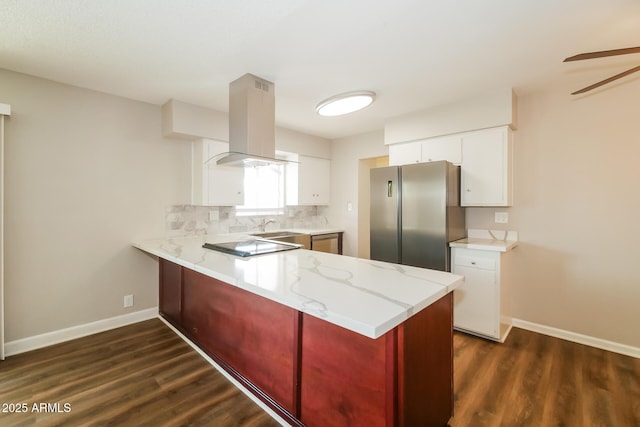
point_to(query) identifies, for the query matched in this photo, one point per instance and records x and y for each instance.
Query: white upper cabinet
(486, 171)
(427, 150)
(484, 157)
(447, 148)
(212, 184)
(308, 181)
(405, 153)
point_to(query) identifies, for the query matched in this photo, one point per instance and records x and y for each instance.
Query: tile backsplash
(199, 220)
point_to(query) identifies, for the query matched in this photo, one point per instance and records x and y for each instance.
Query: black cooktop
(251, 247)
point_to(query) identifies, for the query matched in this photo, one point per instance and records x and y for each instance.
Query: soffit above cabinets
(493, 109)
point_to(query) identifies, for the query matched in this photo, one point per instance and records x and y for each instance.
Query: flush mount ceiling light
(345, 103)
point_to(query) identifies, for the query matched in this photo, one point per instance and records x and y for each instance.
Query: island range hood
(252, 111)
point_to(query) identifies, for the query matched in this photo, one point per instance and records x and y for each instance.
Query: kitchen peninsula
(320, 338)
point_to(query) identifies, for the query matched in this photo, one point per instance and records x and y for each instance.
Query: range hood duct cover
(252, 117)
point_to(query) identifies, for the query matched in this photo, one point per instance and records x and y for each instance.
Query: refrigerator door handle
(389, 188)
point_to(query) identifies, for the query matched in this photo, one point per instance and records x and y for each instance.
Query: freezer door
(424, 215)
(385, 197)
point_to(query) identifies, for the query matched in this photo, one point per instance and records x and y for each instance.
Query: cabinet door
(405, 153)
(476, 307)
(171, 292)
(447, 148)
(215, 185)
(477, 301)
(309, 181)
(317, 173)
(225, 185)
(486, 168)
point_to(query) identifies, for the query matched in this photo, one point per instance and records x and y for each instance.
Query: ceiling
(414, 54)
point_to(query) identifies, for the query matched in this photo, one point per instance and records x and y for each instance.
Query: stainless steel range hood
(252, 111)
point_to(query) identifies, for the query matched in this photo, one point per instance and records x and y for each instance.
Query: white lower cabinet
(481, 304)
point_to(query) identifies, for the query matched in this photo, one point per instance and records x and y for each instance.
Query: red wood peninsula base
(310, 371)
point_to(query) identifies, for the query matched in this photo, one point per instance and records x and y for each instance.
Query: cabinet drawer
(482, 263)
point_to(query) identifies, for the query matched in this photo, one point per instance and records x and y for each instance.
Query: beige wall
(576, 210)
(345, 165)
(292, 141)
(86, 173)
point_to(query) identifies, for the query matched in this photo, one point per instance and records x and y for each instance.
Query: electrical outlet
(501, 217)
(214, 215)
(128, 301)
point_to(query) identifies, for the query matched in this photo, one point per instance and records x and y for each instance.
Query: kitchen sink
(286, 236)
(279, 233)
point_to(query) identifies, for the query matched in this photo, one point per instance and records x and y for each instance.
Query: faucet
(263, 224)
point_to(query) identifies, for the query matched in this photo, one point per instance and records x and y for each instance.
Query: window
(263, 191)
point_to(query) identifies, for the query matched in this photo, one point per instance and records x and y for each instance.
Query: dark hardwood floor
(145, 375)
(537, 380)
(138, 375)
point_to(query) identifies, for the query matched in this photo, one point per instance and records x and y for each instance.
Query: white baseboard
(44, 340)
(615, 347)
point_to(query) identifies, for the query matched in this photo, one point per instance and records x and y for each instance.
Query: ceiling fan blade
(602, 54)
(609, 80)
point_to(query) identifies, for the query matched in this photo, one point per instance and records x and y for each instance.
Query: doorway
(364, 199)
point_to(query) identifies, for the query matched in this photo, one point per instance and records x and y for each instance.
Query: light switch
(349, 206)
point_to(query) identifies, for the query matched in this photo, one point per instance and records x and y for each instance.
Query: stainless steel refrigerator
(415, 213)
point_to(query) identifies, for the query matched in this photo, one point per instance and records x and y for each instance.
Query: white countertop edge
(190, 265)
(485, 244)
(370, 330)
(488, 240)
(336, 319)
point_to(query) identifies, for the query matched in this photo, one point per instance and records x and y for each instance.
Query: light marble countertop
(313, 231)
(485, 244)
(485, 240)
(364, 296)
